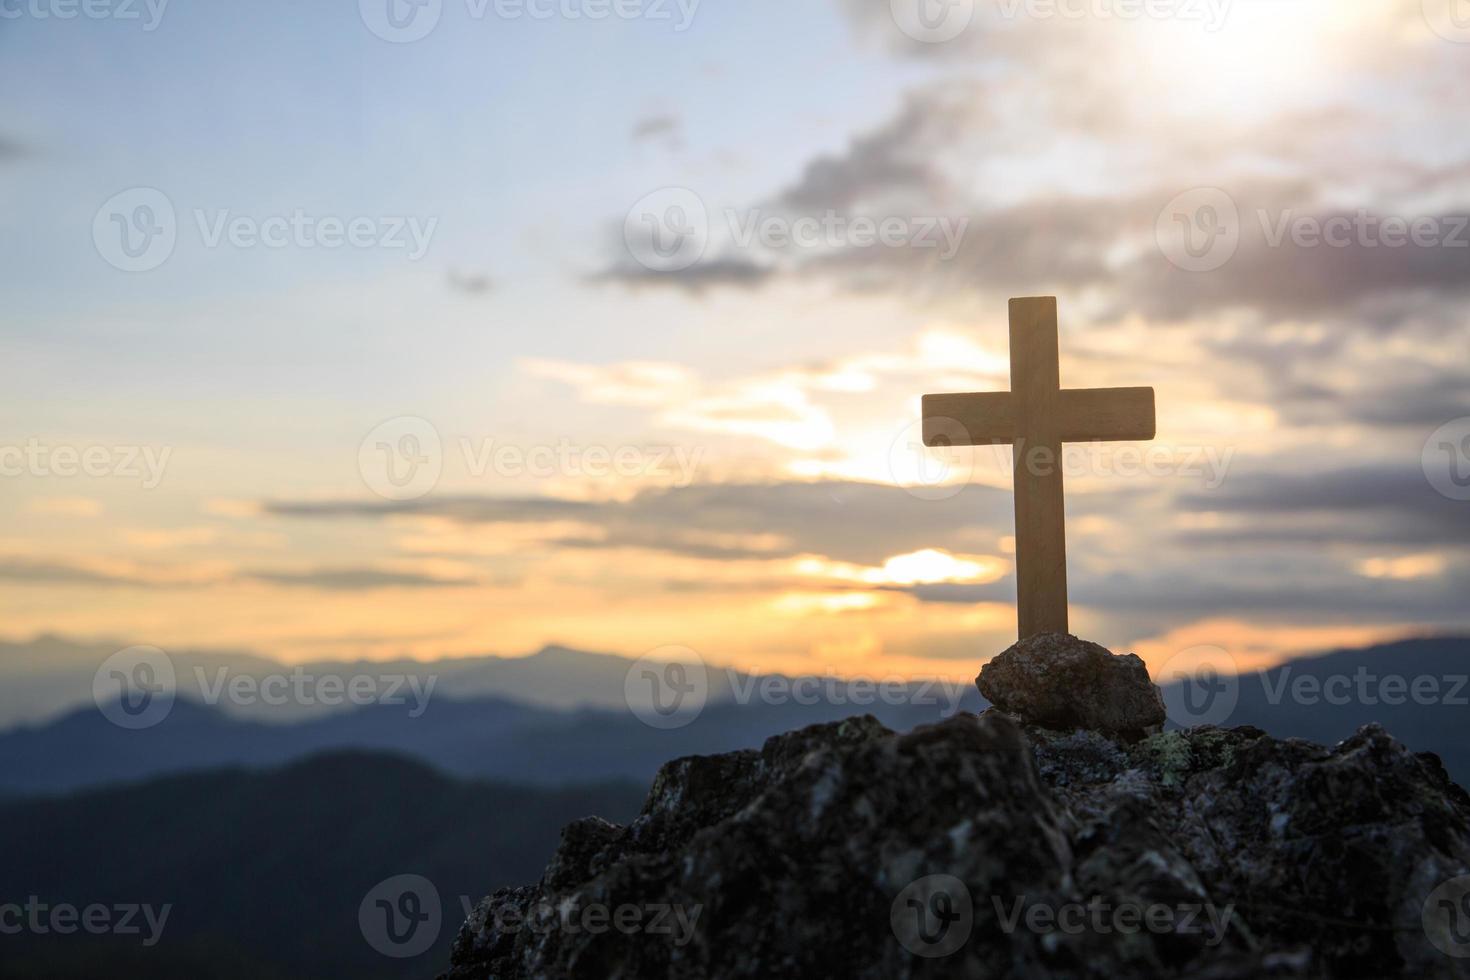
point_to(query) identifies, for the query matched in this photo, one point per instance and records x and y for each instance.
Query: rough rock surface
(801, 860)
(1059, 681)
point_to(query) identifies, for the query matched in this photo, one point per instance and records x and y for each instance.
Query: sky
(454, 327)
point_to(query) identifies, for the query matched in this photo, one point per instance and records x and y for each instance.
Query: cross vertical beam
(1041, 536)
(1036, 417)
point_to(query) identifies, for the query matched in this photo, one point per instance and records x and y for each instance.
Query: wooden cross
(1036, 416)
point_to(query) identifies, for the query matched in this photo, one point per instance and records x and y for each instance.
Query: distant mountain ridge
(50, 676)
(505, 738)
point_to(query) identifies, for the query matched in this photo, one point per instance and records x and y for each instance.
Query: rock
(979, 848)
(1057, 681)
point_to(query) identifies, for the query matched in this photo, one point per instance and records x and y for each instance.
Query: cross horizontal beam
(990, 418)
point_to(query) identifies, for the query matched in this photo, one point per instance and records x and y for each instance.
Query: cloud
(893, 161)
(12, 150)
(1372, 504)
(349, 579)
(663, 128)
(864, 523)
(707, 274)
(66, 506)
(126, 574)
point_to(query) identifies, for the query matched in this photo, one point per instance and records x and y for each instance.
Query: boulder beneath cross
(1060, 682)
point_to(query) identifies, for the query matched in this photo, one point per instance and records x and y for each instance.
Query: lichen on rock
(979, 847)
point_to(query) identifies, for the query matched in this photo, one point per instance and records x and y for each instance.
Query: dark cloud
(40, 572)
(735, 272)
(12, 150)
(341, 579)
(664, 128)
(358, 579)
(894, 161)
(1068, 244)
(857, 522)
(1381, 505)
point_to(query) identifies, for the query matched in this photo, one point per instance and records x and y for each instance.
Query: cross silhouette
(1036, 417)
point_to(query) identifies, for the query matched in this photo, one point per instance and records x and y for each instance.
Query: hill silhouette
(264, 872)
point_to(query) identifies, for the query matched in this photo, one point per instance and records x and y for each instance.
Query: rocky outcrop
(1058, 681)
(981, 848)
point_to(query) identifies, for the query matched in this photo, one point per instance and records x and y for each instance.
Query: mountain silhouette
(505, 739)
(264, 873)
